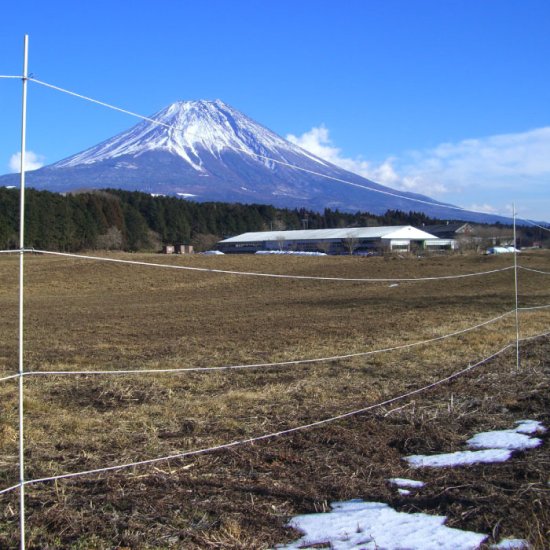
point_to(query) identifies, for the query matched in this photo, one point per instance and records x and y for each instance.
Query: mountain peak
(197, 106)
(187, 129)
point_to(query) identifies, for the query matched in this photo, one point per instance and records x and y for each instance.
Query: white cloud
(495, 162)
(495, 170)
(33, 161)
(317, 141)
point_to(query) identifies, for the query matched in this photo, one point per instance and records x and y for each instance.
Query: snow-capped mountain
(209, 151)
(188, 128)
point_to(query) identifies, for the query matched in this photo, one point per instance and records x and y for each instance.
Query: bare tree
(204, 241)
(280, 241)
(111, 240)
(350, 243)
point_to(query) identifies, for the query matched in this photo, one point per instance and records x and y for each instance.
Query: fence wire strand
(534, 270)
(10, 377)
(8, 489)
(269, 275)
(274, 364)
(534, 337)
(534, 224)
(528, 308)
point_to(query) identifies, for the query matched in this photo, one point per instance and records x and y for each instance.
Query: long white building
(338, 241)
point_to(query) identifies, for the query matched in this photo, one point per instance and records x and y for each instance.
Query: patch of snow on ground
(369, 525)
(372, 525)
(510, 544)
(460, 458)
(503, 439)
(529, 427)
(291, 252)
(403, 482)
(497, 447)
(213, 253)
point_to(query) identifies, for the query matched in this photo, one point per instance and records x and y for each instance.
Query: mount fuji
(209, 151)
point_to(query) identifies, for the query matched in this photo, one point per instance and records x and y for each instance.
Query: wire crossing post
(21, 297)
(516, 287)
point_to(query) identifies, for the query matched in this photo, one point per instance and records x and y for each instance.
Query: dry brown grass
(88, 315)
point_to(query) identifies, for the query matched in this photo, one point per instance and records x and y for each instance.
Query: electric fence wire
(8, 489)
(534, 337)
(273, 364)
(528, 308)
(272, 435)
(270, 159)
(534, 270)
(271, 275)
(534, 224)
(10, 377)
(276, 364)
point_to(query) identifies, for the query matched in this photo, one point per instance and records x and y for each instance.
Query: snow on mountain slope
(189, 128)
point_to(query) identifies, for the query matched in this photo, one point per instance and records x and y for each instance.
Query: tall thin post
(516, 287)
(21, 297)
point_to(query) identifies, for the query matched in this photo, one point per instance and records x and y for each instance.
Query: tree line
(125, 220)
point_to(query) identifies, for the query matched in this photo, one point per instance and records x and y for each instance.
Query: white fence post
(21, 296)
(516, 288)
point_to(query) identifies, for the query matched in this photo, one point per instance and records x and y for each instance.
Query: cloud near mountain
(505, 163)
(33, 161)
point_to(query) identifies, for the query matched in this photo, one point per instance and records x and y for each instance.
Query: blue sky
(447, 98)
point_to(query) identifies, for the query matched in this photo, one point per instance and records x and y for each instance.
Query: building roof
(456, 227)
(383, 232)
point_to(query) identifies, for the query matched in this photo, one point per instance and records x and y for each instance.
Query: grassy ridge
(88, 315)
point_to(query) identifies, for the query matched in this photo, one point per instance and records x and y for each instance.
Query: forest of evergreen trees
(123, 220)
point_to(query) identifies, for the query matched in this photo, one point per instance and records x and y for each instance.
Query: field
(89, 315)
